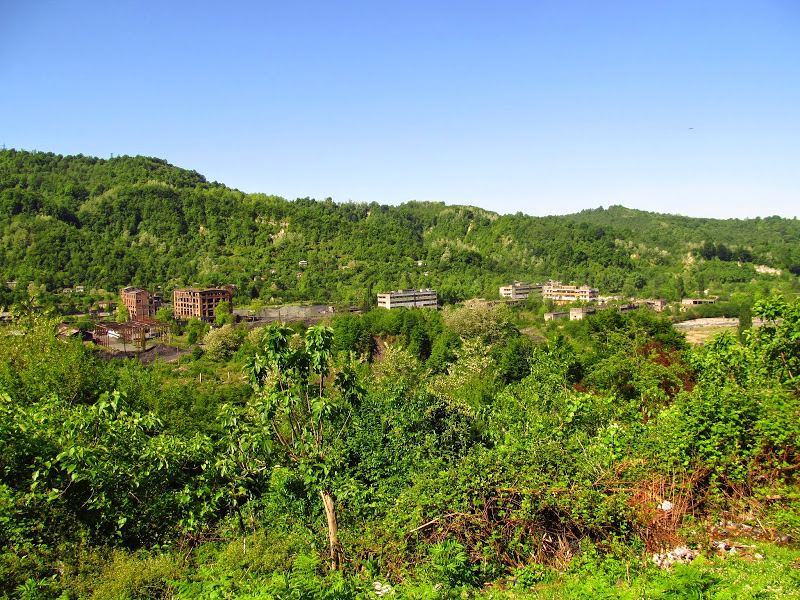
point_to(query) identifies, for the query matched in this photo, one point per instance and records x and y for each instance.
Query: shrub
(220, 344)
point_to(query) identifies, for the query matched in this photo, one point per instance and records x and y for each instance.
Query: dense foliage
(450, 449)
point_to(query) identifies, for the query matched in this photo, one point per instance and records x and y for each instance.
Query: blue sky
(541, 107)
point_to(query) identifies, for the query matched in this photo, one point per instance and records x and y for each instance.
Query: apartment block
(194, 302)
(409, 299)
(555, 316)
(140, 303)
(579, 312)
(561, 294)
(696, 301)
(519, 290)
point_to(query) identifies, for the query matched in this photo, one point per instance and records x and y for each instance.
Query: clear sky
(543, 107)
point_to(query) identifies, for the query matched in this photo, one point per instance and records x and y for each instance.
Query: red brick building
(194, 302)
(140, 303)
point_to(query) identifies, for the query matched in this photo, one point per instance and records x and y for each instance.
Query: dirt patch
(534, 334)
(379, 350)
(701, 335)
(699, 331)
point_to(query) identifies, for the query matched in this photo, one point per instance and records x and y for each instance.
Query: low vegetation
(419, 454)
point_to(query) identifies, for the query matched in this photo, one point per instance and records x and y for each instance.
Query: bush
(220, 344)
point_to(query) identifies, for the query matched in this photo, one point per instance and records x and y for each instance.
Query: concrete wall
(288, 312)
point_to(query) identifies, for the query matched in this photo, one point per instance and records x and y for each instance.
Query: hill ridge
(107, 223)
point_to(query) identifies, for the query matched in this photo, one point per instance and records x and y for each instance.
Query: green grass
(711, 576)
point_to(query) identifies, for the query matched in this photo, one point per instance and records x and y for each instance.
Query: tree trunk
(333, 528)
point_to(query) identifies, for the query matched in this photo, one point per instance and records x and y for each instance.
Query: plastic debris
(681, 554)
(382, 590)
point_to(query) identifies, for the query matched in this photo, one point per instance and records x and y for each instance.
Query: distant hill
(77, 220)
(773, 239)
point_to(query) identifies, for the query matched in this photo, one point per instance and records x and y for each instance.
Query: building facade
(555, 316)
(561, 294)
(579, 312)
(140, 303)
(656, 304)
(194, 302)
(519, 290)
(695, 301)
(409, 299)
(686, 303)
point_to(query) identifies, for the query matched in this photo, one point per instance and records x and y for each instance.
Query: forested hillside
(76, 220)
(770, 241)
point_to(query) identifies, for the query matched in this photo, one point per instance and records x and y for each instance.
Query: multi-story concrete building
(194, 302)
(409, 299)
(140, 303)
(561, 294)
(519, 290)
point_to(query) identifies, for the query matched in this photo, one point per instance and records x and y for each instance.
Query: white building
(569, 293)
(409, 299)
(519, 290)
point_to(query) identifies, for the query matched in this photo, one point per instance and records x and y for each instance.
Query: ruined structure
(519, 290)
(140, 303)
(409, 299)
(194, 302)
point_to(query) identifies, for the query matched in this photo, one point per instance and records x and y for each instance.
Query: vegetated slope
(773, 240)
(70, 220)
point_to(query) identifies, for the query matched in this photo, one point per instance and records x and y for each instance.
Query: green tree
(223, 315)
(701, 284)
(777, 342)
(195, 329)
(492, 324)
(221, 343)
(708, 251)
(723, 252)
(85, 323)
(165, 314)
(680, 288)
(122, 315)
(745, 318)
(98, 473)
(307, 417)
(514, 360)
